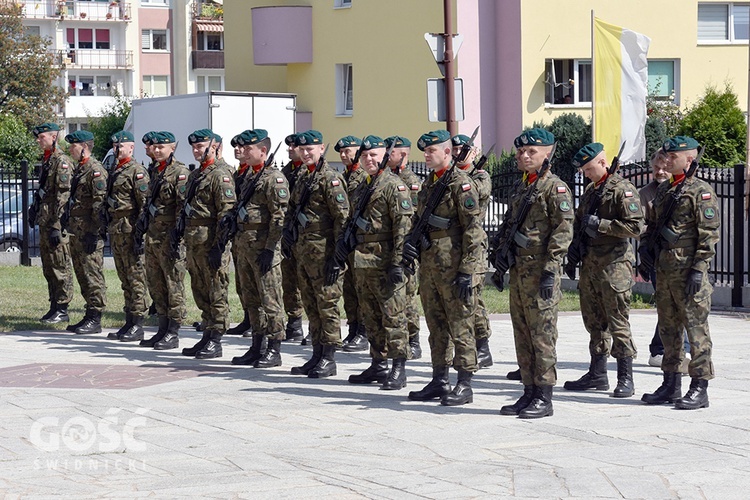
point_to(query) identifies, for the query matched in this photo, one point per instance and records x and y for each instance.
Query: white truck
(226, 113)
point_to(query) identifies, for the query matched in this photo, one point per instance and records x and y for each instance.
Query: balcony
(70, 9)
(94, 59)
(204, 10)
(208, 59)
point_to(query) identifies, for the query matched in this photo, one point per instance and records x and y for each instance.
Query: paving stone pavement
(86, 417)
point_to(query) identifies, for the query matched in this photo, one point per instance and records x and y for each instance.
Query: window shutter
(146, 40)
(713, 22)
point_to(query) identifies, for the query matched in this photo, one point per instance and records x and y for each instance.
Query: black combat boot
(171, 339)
(397, 377)
(416, 349)
(253, 354)
(192, 351)
(212, 349)
(625, 387)
(668, 391)
(59, 316)
(48, 314)
(484, 356)
(595, 378)
(135, 332)
(326, 367)
(243, 327)
(74, 326)
(461, 393)
(514, 375)
(523, 402)
(311, 363)
(437, 388)
(376, 372)
(541, 405)
(359, 342)
(163, 323)
(696, 397)
(124, 328)
(92, 323)
(272, 356)
(294, 329)
(353, 327)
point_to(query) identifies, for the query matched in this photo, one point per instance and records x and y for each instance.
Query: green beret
(536, 136)
(233, 142)
(251, 137)
(123, 136)
(460, 139)
(201, 135)
(289, 140)
(372, 142)
(586, 154)
(308, 138)
(45, 127)
(163, 137)
(401, 142)
(434, 137)
(680, 143)
(148, 138)
(347, 142)
(79, 136)
(218, 138)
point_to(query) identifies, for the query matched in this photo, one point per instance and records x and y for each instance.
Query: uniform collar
(122, 162)
(161, 166)
(676, 179)
(207, 163)
(257, 168)
(439, 173)
(603, 179)
(242, 168)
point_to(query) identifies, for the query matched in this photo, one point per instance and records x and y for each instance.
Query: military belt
(123, 213)
(525, 252)
(444, 233)
(688, 242)
(199, 222)
(370, 238)
(250, 226)
(318, 226)
(606, 241)
(81, 212)
(165, 218)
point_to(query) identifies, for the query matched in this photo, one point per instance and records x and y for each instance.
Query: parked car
(11, 224)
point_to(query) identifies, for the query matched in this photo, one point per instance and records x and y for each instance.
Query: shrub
(16, 142)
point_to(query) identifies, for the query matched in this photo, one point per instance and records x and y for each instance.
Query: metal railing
(70, 9)
(94, 58)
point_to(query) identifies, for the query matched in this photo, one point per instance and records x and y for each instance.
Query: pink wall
(470, 72)
(154, 64)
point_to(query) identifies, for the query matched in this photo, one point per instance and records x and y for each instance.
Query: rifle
(65, 219)
(104, 215)
(40, 192)
(483, 159)
(299, 219)
(149, 210)
(509, 233)
(579, 246)
(349, 235)
(228, 224)
(650, 249)
(419, 237)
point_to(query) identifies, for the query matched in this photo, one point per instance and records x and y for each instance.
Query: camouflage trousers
(605, 306)
(210, 287)
(292, 297)
(534, 321)
(482, 328)
(131, 272)
(321, 302)
(677, 311)
(237, 277)
(261, 293)
(165, 275)
(382, 308)
(56, 267)
(89, 270)
(412, 308)
(351, 299)
(449, 319)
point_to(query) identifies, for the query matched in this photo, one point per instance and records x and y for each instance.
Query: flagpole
(593, 82)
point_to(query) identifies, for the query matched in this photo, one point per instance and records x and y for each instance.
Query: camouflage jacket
(213, 197)
(291, 173)
(166, 206)
(88, 194)
(56, 190)
(262, 217)
(386, 221)
(412, 181)
(483, 184)
(353, 179)
(127, 190)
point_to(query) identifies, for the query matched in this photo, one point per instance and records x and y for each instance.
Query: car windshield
(11, 204)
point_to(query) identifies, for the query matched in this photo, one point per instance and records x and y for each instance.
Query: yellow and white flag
(620, 89)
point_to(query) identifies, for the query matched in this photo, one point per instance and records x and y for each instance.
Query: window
(83, 38)
(342, 4)
(210, 40)
(568, 81)
(344, 90)
(154, 40)
(102, 39)
(154, 2)
(210, 83)
(156, 86)
(73, 127)
(662, 79)
(723, 22)
(87, 85)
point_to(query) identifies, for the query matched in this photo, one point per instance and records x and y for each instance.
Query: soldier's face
(469, 158)
(596, 168)
(200, 147)
(255, 154)
(149, 150)
(238, 153)
(398, 155)
(162, 151)
(437, 156)
(45, 140)
(371, 160)
(293, 152)
(347, 154)
(679, 161)
(126, 150)
(75, 150)
(531, 158)
(310, 154)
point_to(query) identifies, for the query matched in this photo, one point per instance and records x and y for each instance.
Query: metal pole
(740, 238)
(450, 98)
(25, 260)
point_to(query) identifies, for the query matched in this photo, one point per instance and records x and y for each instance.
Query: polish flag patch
(225, 179)
(402, 188)
(139, 176)
(705, 196)
(415, 187)
(97, 174)
(279, 180)
(181, 177)
(335, 182)
(562, 189)
(465, 187)
(64, 165)
(628, 194)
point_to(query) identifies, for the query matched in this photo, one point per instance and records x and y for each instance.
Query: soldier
(483, 185)
(148, 144)
(448, 271)
(49, 202)
(683, 293)
(88, 190)
(260, 219)
(127, 188)
(347, 147)
(292, 297)
(398, 163)
(607, 261)
(381, 227)
(535, 276)
(220, 161)
(319, 223)
(209, 196)
(165, 271)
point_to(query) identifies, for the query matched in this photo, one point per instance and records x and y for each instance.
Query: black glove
(410, 253)
(139, 248)
(265, 260)
(342, 251)
(55, 237)
(287, 237)
(32, 217)
(570, 270)
(331, 271)
(591, 225)
(694, 282)
(464, 286)
(395, 275)
(214, 257)
(89, 242)
(498, 279)
(646, 266)
(546, 284)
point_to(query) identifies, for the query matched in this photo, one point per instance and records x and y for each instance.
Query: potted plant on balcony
(83, 15)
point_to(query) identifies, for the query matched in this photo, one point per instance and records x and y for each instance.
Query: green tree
(27, 71)
(111, 120)
(717, 122)
(16, 142)
(656, 134)
(571, 133)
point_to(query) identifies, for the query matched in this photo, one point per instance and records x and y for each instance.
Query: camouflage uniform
(240, 176)
(414, 183)
(353, 179)
(292, 296)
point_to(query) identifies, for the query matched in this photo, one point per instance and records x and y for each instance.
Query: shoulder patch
(628, 194)
(401, 188)
(100, 184)
(225, 179)
(415, 187)
(705, 196)
(143, 187)
(63, 165)
(465, 187)
(97, 173)
(633, 207)
(562, 189)
(279, 180)
(564, 205)
(340, 197)
(139, 176)
(405, 204)
(335, 183)
(229, 193)
(709, 213)
(181, 177)
(282, 193)
(470, 203)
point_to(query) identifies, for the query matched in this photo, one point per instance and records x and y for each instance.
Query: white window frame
(155, 3)
(151, 77)
(675, 96)
(151, 41)
(558, 81)
(344, 90)
(730, 38)
(204, 78)
(342, 4)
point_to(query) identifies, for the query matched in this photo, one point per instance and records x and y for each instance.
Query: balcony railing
(208, 59)
(70, 9)
(94, 59)
(204, 10)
